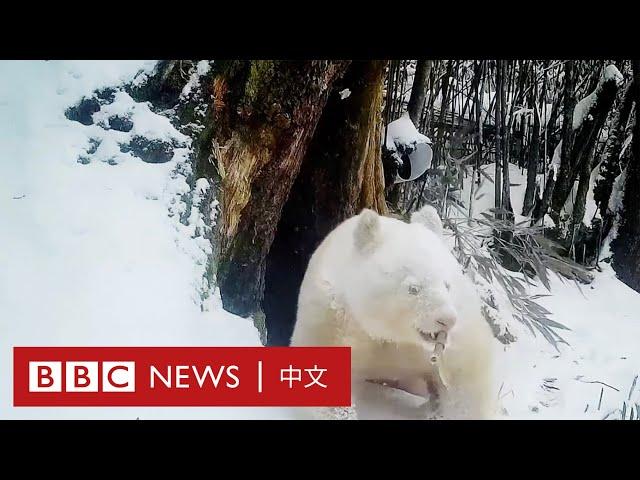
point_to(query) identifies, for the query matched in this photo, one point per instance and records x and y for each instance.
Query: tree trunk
(534, 156)
(506, 182)
(498, 123)
(341, 173)
(479, 92)
(585, 146)
(626, 246)
(502, 183)
(264, 116)
(419, 91)
(561, 184)
(584, 140)
(579, 205)
(439, 150)
(610, 167)
(551, 121)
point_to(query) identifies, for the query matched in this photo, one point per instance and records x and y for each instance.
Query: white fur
(374, 283)
(429, 217)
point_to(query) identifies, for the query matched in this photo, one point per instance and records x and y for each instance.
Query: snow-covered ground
(94, 254)
(603, 355)
(535, 380)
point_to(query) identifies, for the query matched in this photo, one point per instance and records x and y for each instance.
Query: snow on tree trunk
(610, 166)
(626, 246)
(579, 205)
(558, 187)
(584, 125)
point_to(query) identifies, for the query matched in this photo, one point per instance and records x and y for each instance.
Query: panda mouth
(428, 336)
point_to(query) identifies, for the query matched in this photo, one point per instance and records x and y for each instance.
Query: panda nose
(446, 319)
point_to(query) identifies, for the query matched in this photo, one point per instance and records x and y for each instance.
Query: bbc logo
(82, 376)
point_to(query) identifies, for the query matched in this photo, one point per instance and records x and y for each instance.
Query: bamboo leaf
(484, 174)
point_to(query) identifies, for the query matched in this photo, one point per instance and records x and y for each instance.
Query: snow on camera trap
(409, 147)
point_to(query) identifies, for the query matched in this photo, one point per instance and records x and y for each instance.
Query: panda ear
(428, 216)
(367, 230)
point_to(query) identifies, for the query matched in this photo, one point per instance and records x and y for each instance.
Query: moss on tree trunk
(264, 116)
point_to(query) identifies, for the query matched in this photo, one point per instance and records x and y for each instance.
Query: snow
(581, 111)
(626, 144)
(484, 195)
(344, 93)
(615, 206)
(403, 132)
(543, 115)
(611, 72)
(95, 254)
(615, 200)
(603, 347)
(404, 140)
(556, 160)
(145, 122)
(523, 112)
(591, 210)
(536, 381)
(202, 68)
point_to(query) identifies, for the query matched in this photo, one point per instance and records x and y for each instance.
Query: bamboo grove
(567, 124)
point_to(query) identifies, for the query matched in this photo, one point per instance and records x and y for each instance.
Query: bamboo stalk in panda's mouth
(441, 339)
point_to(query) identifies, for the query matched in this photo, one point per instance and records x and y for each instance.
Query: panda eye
(414, 289)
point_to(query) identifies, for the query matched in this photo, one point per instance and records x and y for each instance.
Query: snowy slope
(93, 254)
(535, 380)
(602, 356)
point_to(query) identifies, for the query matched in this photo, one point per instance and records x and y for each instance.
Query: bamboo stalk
(441, 340)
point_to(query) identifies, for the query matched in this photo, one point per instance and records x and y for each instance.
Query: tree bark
(264, 116)
(419, 91)
(506, 182)
(340, 175)
(583, 143)
(626, 246)
(559, 193)
(439, 149)
(611, 167)
(499, 135)
(478, 83)
(579, 205)
(534, 156)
